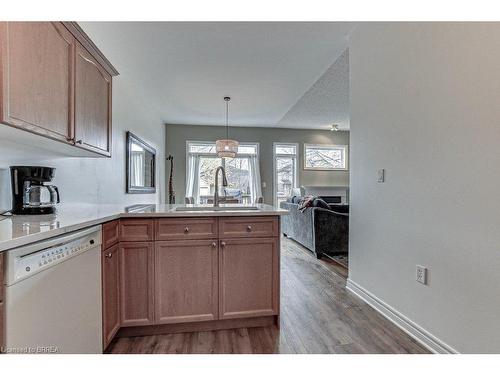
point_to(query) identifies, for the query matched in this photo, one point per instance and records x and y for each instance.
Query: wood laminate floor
(318, 315)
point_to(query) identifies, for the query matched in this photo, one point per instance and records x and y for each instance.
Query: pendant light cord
(227, 121)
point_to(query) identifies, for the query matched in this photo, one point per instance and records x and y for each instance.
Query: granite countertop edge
(15, 230)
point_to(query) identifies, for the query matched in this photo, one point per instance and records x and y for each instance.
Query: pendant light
(226, 148)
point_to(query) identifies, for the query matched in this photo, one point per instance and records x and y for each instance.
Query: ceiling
(326, 102)
(273, 71)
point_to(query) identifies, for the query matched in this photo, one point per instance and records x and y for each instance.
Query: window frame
(345, 149)
(256, 144)
(296, 174)
(214, 155)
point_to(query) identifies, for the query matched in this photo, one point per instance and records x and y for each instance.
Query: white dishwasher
(53, 298)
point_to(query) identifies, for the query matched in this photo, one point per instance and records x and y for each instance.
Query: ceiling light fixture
(334, 128)
(226, 148)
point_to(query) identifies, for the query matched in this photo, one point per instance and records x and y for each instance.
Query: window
(285, 170)
(325, 157)
(242, 172)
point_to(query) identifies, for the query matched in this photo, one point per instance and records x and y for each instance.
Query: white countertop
(20, 230)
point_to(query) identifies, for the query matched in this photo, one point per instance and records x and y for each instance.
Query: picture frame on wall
(140, 166)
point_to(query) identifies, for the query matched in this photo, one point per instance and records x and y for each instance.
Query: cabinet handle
(109, 255)
(214, 244)
(223, 244)
(249, 228)
(186, 230)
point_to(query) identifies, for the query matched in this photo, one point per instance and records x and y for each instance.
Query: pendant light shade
(226, 148)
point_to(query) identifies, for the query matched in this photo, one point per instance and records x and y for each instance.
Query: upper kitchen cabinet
(37, 77)
(55, 83)
(92, 103)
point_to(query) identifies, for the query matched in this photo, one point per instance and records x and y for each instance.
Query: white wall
(96, 180)
(425, 105)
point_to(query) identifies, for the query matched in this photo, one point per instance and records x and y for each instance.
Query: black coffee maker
(29, 194)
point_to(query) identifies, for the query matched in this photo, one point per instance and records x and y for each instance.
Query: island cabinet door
(186, 278)
(36, 76)
(2, 328)
(110, 294)
(137, 281)
(110, 233)
(248, 277)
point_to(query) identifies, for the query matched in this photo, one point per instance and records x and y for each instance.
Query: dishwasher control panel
(28, 263)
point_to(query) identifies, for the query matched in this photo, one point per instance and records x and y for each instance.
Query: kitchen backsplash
(5, 194)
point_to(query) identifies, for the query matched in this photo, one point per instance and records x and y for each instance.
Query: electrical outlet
(421, 275)
(381, 175)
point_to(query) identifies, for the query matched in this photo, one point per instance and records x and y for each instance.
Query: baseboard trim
(425, 338)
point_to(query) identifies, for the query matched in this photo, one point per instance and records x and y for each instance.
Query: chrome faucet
(224, 183)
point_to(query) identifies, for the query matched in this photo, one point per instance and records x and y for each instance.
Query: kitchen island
(174, 268)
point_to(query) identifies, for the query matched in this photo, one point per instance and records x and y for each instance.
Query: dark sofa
(322, 230)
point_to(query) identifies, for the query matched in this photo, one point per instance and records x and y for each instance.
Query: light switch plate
(264, 184)
(381, 175)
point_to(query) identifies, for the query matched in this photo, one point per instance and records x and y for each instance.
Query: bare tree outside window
(208, 165)
(325, 157)
(285, 170)
(238, 174)
(237, 170)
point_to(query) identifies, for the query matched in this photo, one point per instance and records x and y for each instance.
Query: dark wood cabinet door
(248, 277)
(37, 77)
(1, 278)
(110, 294)
(186, 280)
(110, 233)
(92, 103)
(2, 328)
(136, 230)
(137, 283)
(246, 227)
(182, 228)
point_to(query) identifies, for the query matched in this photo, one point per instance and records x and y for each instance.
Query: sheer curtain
(193, 173)
(255, 182)
(137, 170)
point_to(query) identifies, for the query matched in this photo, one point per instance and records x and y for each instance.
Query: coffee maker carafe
(29, 194)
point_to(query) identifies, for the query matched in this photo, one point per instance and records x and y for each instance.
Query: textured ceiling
(326, 102)
(184, 69)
